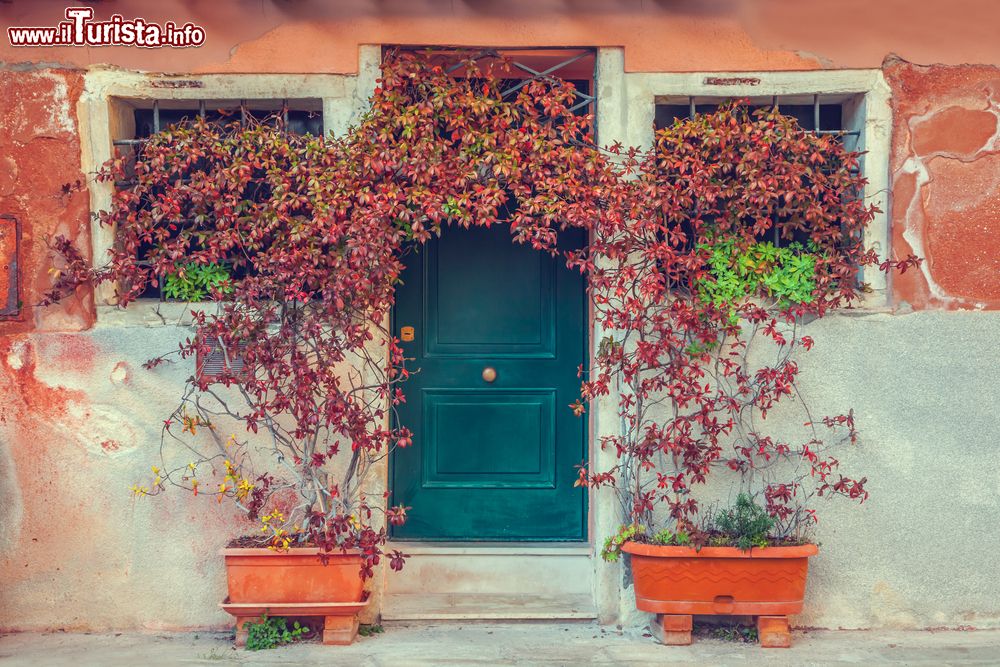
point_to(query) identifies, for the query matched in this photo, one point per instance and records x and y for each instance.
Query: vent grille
(211, 366)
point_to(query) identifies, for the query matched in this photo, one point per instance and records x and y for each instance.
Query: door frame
(570, 63)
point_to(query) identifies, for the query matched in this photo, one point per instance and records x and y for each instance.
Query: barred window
(148, 117)
(819, 114)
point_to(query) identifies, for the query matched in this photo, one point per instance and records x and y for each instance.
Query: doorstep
(491, 581)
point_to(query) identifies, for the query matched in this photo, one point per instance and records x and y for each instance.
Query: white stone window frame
(109, 97)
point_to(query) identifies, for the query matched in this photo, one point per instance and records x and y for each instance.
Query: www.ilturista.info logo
(79, 30)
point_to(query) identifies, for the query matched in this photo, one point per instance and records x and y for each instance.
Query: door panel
(491, 460)
(512, 436)
(461, 270)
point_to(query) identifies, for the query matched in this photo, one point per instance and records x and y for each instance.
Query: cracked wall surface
(945, 168)
(41, 184)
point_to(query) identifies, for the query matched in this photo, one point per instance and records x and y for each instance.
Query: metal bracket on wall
(10, 252)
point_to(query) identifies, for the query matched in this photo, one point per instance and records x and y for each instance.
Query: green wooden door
(491, 460)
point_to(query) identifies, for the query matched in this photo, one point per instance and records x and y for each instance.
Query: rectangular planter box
(293, 576)
(295, 582)
(720, 580)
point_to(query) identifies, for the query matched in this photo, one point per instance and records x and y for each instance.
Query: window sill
(151, 313)
(155, 313)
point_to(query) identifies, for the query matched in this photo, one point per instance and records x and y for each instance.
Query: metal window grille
(817, 114)
(298, 116)
(574, 65)
(567, 67)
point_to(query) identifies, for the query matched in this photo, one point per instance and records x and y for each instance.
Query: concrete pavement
(506, 644)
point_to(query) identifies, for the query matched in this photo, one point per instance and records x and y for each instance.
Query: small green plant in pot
(744, 525)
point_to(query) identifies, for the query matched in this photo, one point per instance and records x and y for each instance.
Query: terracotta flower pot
(676, 582)
(295, 583)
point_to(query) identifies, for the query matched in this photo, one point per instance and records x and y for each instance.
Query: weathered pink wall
(41, 183)
(680, 35)
(72, 406)
(946, 183)
(79, 417)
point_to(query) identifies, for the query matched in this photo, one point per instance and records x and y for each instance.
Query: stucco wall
(41, 183)
(79, 417)
(80, 425)
(920, 551)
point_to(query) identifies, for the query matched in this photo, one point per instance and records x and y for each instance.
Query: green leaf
(193, 282)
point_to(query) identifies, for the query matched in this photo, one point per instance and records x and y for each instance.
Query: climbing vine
(734, 230)
(311, 232)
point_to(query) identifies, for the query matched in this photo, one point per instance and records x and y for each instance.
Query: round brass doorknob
(489, 374)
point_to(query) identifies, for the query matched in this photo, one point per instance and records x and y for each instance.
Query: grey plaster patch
(11, 504)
